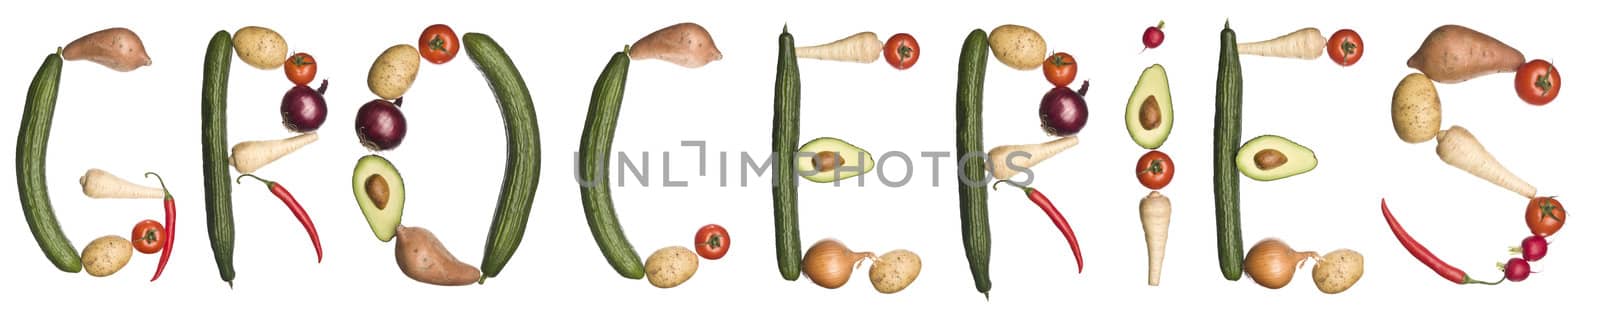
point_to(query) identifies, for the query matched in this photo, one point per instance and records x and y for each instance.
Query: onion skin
(1063, 112)
(380, 125)
(828, 263)
(304, 109)
(1271, 263)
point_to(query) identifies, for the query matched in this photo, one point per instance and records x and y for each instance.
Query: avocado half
(1271, 157)
(820, 159)
(1149, 113)
(381, 193)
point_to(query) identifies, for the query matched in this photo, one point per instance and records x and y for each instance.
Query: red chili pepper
(294, 206)
(1445, 270)
(1038, 198)
(172, 223)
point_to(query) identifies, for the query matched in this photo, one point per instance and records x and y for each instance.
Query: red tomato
(438, 43)
(901, 51)
(300, 68)
(1545, 216)
(1345, 47)
(711, 242)
(1155, 170)
(1060, 69)
(147, 236)
(1538, 82)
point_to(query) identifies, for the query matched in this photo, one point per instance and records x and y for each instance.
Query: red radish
(1533, 248)
(1517, 269)
(1153, 36)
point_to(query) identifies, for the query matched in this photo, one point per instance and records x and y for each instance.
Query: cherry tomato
(1538, 82)
(300, 68)
(711, 242)
(901, 51)
(147, 236)
(1060, 69)
(1155, 170)
(1545, 216)
(1345, 47)
(438, 43)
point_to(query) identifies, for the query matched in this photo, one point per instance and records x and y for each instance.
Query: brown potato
(1017, 46)
(116, 48)
(106, 255)
(260, 47)
(671, 266)
(894, 271)
(1454, 53)
(1337, 271)
(394, 71)
(423, 258)
(1415, 109)
(686, 44)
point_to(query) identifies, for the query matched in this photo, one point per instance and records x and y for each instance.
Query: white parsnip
(250, 156)
(1461, 149)
(1026, 155)
(100, 184)
(1307, 43)
(862, 47)
(1155, 212)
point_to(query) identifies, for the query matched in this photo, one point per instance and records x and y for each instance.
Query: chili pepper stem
(1025, 189)
(163, 183)
(240, 179)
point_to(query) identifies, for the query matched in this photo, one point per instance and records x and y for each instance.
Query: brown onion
(1271, 263)
(828, 263)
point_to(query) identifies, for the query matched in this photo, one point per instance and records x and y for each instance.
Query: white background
(452, 160)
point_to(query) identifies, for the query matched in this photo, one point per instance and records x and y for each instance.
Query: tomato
(1545, 216)
(1538, 82)
(147, 236)
(1060, 69)
(1345, 47)
(438, 43)
(300, 68)
(901, 51)
(711, 242)
(1155, 170)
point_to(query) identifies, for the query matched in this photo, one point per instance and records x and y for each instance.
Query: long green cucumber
(969, 140)
(594, 155)
(32, 139)
(214, 151)
(785, 139)
(1225, 179)
(521, 177)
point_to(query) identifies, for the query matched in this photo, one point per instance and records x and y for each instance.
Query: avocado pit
(1268, 159)
(1150, 113)
(827, 161)
(378, 190)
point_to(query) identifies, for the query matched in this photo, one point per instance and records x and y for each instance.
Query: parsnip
(1155, 212)
(1029, 155)
(100, 184)
(249, 156)
(1461, 149)
(862, 47)
(1307, 43)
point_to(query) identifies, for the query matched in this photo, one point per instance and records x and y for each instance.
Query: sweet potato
(1453, 53)
(116, 48)
(423, 258)
(686, 44)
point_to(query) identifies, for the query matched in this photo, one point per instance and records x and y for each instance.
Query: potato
(394, 71)
(1454, 53)
(1017, 46)
(671, 266)
(894, 271)
(1337, 271)
(423, 258)
(106, 255)
(260, 47)
(1415, 109)
(685, 44)
(116, 48)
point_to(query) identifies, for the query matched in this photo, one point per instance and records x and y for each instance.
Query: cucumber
(32, 138)
(969, 140)
(594, 156)
(785, 139)
(1225, 178)
(521, 178)
(214, 151)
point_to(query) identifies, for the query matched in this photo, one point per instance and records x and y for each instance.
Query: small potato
(1415, 109)
(671, 266)
(423, 258)
(106, 255)
(1337, 271)
(894, 271)
(1017, 46)
(260, 47)
(394, 71)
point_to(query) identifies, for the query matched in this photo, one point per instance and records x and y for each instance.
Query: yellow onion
(828, 263)
(1271, 263)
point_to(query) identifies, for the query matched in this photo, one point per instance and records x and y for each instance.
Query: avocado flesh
(382, 212)
(1153, 89)
(855, 160)
(1283, 158)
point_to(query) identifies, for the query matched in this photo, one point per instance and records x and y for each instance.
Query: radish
(1533, 248)
(1306, 43)
(1031, 155)
(1459, 148)
(249, 156)
(1155, 212)
(100, 184)
(1153, 36)
(862, 47)
(1516, 269)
